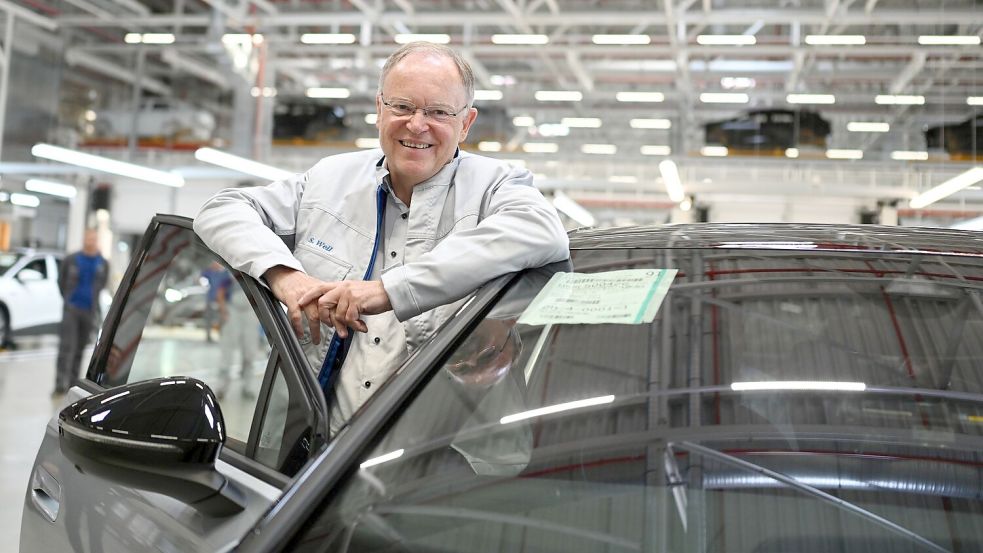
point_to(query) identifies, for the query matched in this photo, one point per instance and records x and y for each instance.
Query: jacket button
(368, 384)
(405, 215)
(377, 340)
(392, 254)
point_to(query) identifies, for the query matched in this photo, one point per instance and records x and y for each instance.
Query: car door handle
(46, 493)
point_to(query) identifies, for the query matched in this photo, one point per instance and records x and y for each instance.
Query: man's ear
(468, 120)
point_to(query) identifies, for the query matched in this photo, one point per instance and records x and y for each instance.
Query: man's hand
(340, 304)
(290, 286)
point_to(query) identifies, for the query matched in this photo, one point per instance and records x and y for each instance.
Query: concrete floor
(27, 377)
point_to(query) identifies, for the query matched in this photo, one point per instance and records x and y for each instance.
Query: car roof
(782, 236)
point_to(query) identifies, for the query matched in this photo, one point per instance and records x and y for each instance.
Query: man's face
(90, 242)
(417, 146)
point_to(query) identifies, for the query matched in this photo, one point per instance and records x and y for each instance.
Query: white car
(30, 302)
(158, 117)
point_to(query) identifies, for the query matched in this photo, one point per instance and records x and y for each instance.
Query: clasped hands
(338, 304)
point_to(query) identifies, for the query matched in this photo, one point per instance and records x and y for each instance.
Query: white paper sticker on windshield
(631, 296)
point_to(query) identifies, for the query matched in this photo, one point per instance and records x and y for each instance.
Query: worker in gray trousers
(81, 277)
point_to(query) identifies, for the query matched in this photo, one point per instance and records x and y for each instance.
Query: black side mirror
(161, 435)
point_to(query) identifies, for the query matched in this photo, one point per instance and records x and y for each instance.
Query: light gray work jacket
(476, 219)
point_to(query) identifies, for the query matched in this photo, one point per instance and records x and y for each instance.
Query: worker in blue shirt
(81, 277)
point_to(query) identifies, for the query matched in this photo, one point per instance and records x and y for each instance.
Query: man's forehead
(412, 65)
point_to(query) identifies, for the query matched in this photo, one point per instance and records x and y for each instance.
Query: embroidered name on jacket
(314, 241)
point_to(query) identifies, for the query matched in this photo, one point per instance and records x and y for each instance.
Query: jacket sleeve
(519, 229)
(254, 229)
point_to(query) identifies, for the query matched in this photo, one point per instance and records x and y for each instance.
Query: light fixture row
(534, 39)
(657, 97)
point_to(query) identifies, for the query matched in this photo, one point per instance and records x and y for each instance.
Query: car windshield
(772, 401)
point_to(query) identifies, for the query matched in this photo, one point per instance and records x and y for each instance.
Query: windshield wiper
(810, 490)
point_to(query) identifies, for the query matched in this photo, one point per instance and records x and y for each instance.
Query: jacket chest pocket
(321, 264)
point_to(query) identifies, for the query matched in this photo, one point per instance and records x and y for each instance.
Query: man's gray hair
(467, 76)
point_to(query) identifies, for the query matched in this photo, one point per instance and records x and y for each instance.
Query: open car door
(197, 410)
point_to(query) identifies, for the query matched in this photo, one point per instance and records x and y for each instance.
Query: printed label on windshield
(631, 296)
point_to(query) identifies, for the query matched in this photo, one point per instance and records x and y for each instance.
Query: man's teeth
(414, 145)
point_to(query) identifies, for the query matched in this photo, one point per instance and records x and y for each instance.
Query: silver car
(704, 388)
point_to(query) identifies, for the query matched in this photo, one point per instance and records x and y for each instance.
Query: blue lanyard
(338, 347)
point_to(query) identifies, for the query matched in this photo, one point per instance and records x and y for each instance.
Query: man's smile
(415, 145)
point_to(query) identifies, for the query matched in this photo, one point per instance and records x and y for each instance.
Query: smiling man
(371, 251)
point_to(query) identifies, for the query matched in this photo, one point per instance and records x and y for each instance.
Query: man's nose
(418, 122)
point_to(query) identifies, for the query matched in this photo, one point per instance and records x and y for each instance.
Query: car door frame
(285, 346)
(322, 476)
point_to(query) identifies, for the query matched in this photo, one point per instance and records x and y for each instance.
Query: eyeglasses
(405, 108)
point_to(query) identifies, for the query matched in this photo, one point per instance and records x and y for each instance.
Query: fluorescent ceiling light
(726, 40)
(367, 142)
(799, 385)
(792, 152)
(241, 164)
(686, 204)
(650, 123)
(713, 151)
(947, 188)
(950, 40)
(437, 38)
(557, 408)
(670, 176)
(523, 121)
(371, 118)
(581, 122)
(540, 147)
(599, 149)
(553, 129)
(520, 39)
(640, 97)
(572, 209)
(149, 38)
(322, 92)
(327, 38)
(838, 40)
(908, 155)
(24, 200)
(623, 179)
(844, 154)
(490, 146)
(392, 455)
(899, 99)
(724, 98)
(487, 95)
(52, 188)
(810, 99)
(975, 100)
(621, 39)
(107, 165)
(731, 83)
(655, 150)
(867, 126)
(559, 96)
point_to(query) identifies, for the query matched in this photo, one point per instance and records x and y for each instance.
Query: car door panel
(96, 516)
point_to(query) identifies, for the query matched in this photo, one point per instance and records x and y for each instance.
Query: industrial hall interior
(774, 340)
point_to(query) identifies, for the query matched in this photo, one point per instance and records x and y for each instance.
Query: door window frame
(286, 354)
